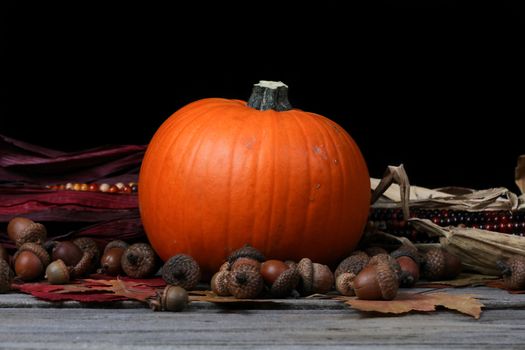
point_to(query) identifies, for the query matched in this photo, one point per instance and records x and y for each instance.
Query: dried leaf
(406, 302)
(128, 289)
(501, 285)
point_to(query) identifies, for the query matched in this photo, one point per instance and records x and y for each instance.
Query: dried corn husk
(479, 250)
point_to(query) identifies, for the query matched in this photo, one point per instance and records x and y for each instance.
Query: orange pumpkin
(220, 173)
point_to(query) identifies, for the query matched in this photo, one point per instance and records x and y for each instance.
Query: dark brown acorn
(68, 252)
(30, 261)
(376, 282)
(272, 269)
(440, 265)
(6, 276)
(57, 272)
(314, 277)
(22, 230)
(353, 264)
(139, 261)
(172, 298)
(110, 261)
(245, 282)
(181, 270)
(513, 272)
(409, 260)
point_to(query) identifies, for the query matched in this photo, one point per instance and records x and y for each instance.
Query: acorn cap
(139, 260)
(36, 249)
(84, 266)
(386, 259)
(181, 270)
(513, 271)
(343, 283)
(247, 251)
(115, 244)
(5, 276)
(34, 233)
(353, 264)
(387, 280)
(245, 282)
(87, 244)
(306, 272)
(219, 283)
(440, 264)
(285, 283)
(246, 261)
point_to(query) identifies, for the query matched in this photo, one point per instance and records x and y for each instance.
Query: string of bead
(118, 187)
(391, 220)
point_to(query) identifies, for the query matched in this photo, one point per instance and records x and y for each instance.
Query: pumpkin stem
(270, 95)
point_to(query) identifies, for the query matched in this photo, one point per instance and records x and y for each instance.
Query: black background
(439, 87)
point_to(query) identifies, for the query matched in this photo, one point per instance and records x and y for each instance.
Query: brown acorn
(30, 261)
(386, 259)
(245, 261)
(285, 283)
(513, 272)
(139, 261)
(353, 264)
(181, 270)
(408, 259)
(91, 252)
(172, 298)
(68, 252)
(110, 261)
(344, 283)
(245, 282)
(314, 277)
(57, 272)
(22, 230)
(376, 282)
(272, 269)
(6, 276)
(440, 265)
(219, 283)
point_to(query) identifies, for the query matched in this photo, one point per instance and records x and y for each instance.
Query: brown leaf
(128, 289)
(501, 285)
(406, 302)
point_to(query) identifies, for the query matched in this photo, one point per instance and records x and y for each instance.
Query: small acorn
(281, 278)
(57, 272)
(440, 265)
(181, 270)
(22, 230)
(314, 277)
(344, 283)
(139, 261)
(5, 276)
(376, 282)
(219, 283)
(353, 264)
(245, 282)
(68, 252)
(272, 269)
(408, 259)
(91, 251)
(172, 298)
(110, 261)
(30, 261)
(513, 272)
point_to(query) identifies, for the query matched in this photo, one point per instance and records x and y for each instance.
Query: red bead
(126, 189)
(113, 189)
(93, 187)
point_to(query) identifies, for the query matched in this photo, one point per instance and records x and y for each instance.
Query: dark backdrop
(439, 87)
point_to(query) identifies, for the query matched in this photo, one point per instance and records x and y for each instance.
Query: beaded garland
(391, 220)
(118, 187)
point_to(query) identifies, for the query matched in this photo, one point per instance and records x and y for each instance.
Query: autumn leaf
(128, 289)
(406, 302)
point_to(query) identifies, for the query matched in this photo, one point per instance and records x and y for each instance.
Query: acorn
(353, 264)
(22, 230)
(181, 270)
(344, 283)
(30, 261)
(272, 269)
(6, 276)
(408, 259)
(84, 266)
(285, 283)
(314, 277)
(110, 261)
(68, 252)
(219, 283)
(376, 282)
(139, 261)
(247, 251)
(245, 261)
(57, 272)
(116, 244)
(513, 272)
(88, 245)
(245, 282)
(386, 259)
(172, 298)
(4, 255)
(440, 265)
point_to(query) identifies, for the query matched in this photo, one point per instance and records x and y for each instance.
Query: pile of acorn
(372, 273)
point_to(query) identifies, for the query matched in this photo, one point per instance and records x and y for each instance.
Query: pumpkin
(222, 173)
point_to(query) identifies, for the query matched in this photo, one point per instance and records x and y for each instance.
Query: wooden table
(28, 323)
